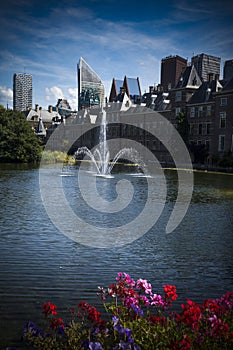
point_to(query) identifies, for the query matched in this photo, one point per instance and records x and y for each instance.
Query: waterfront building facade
(22, 91)
(90, 87)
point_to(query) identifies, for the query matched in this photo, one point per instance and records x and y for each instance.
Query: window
(191, 129)
(222, 120)
(221, 143)
(208, 111)
(178, 110)
(178, 96)
(192, 112)
(200, 111)
(207, 145)
(200, 128)
(208, 128)
(223, 101)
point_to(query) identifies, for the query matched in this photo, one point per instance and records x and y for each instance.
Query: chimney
(151, 89)
(36, 107)
(122, 90)
(50, 109)
(210, 77)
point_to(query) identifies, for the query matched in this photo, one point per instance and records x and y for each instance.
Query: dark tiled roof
(205, 92)
(228, 85)
(157, 100)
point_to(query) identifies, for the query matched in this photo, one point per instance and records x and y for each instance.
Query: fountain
(100, 157)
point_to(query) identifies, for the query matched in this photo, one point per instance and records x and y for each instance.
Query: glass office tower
(90, 87)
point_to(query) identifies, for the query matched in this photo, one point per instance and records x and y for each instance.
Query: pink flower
(126, 279)
(143, 284)
(213, 320)
(144, 299)
(157, 300)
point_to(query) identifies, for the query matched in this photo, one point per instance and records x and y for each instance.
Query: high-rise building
(22, 91)
(206, 66)
(228, 70)
(90, 87)
(171, 69)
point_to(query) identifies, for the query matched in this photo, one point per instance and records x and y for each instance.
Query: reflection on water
(40, 264)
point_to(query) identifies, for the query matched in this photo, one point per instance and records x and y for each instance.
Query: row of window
(204, 128)
(200, 129)
(201, 111)
(178, 98)
(221, 143)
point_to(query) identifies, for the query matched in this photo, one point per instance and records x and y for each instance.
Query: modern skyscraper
(171, 69)
(90, 87)
(22, 91)
(206, 65)
(228, 70)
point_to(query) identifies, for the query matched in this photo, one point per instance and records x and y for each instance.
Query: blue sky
(116, 38)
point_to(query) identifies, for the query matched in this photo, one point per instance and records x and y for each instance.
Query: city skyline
(116, 39)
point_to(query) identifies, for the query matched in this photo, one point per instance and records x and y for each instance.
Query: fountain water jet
(100, 157)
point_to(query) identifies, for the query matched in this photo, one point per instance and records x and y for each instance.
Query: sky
(116, 38)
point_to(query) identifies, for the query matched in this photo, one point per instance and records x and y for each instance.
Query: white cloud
(72, 98)
(53, 94)
(6, 94)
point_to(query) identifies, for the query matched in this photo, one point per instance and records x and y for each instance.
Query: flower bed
(137, 318)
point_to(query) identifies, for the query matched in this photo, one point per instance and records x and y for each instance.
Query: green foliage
(182, 127)
(57, 157)
(18, 143)
(226, 160)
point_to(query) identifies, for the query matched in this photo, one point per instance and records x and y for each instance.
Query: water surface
(38, 263)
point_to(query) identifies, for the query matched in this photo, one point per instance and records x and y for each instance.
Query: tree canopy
(18, 143)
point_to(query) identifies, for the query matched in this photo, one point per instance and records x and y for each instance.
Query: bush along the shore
(18, 142)
(136, 318)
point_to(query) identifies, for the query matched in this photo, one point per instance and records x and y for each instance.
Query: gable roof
(130, 85)
(189, 78)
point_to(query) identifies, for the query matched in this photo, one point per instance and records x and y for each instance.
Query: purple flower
(95, 346)
(120, 329)
(115, 320)
(127, 332)
(137, 309)
(33, 328)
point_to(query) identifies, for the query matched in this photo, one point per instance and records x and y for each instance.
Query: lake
(39, 263)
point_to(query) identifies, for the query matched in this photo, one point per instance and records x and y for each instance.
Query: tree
(182, 127)
(18, 143)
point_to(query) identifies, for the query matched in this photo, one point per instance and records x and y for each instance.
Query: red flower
(49, 309)
(92, 314)
(157, 320)
(170, 293)
(190, 315)
(56, 322)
